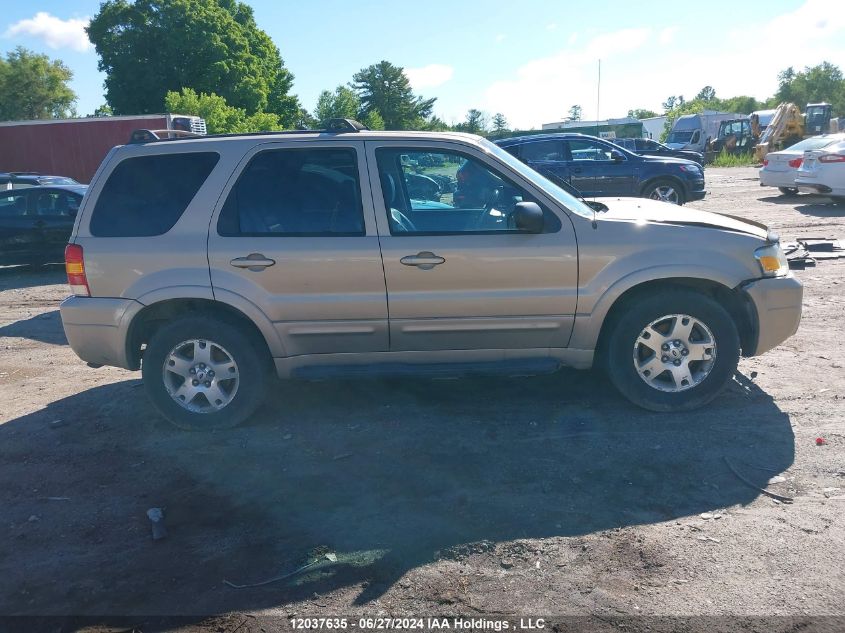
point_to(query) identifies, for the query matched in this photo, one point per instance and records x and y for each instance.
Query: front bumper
(777, 302)
(97, 328)
(695, 189)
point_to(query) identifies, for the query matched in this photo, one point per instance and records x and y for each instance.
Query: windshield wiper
(595, 205)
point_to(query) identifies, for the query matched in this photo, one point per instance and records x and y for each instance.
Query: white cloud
(57, 33)
(636, 74)
(667, 35)
(551, 27)
(501, 37)
(429, 76)
(544, 89)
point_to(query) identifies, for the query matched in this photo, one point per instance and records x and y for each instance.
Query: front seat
(399, 222)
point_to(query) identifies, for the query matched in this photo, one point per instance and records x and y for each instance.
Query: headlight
(772, 260)
(693, 169)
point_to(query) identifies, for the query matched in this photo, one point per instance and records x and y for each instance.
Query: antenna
(598, 133)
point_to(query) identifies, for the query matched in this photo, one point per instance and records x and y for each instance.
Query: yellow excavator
(788, 126)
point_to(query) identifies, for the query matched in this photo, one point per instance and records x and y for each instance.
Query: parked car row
(814, 165)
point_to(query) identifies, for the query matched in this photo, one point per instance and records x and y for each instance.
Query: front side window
(295, 192)
(589, 150)
(448, 193)
(146, 195)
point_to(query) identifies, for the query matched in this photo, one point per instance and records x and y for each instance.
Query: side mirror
(528, 217)
(616, 156)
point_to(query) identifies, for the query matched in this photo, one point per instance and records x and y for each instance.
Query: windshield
(679, 137)
(815, 143)
(558, 193)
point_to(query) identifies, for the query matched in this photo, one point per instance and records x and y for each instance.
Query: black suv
(36, 223)
(649, 147)
(596, 167)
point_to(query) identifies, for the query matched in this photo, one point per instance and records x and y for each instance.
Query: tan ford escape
(214, 263)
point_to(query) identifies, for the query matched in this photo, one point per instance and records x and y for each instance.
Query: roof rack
(345, 125)
(334, 126)
(145, 136)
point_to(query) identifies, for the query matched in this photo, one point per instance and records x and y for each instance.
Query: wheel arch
(736, 303)
(150, 318)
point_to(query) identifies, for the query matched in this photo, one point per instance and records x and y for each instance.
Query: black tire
(618, 352)
(788, 191)
(253, 368)
(651, 190)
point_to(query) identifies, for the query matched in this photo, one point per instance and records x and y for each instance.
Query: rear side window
(146, 195)
(295, 192)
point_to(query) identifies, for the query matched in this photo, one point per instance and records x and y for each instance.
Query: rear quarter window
(145, 196)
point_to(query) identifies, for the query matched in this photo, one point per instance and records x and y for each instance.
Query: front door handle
(254, 262)
(426, 260)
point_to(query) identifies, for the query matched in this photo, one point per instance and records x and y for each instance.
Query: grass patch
(733, 160)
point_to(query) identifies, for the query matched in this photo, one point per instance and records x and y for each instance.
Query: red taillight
(75, 267)
(796, 162)
(765, 162)
(832, 158)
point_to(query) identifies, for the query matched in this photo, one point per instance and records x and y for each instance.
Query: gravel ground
(515, 496)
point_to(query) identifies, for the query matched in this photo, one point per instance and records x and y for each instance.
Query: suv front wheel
(203, 374)
(672, 352)
(665, 190)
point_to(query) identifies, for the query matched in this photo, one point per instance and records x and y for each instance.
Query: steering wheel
(401, 221)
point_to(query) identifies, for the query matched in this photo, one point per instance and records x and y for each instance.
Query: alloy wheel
(674, 353)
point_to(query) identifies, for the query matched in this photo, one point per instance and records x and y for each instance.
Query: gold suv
(214, 264)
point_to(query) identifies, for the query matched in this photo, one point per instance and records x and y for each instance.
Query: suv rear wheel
(665, 190)
(672, 352)
(203, 374)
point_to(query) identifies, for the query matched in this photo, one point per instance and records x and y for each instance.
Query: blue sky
(530, 60)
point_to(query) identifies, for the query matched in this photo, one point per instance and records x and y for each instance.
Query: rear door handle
(254, 262)
(425, 260)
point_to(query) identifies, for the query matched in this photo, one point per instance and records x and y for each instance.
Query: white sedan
(781, 168)
(823, 171)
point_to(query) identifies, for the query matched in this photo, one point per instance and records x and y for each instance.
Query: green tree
(103, 110)
(742, 104)
(673, 102)
(34, 87)
(824, 82)
(708, 93)
(475, 122)
(500, 123)
(373, 120)
(148, 48)
(384, 88)
(343, 103)
(642, 113)
(220, 117)
(574, 113)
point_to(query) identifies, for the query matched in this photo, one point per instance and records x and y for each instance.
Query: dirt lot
(536, 496)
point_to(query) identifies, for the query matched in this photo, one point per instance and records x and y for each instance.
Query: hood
(666, 160)
(676, 145)
(645, 210)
